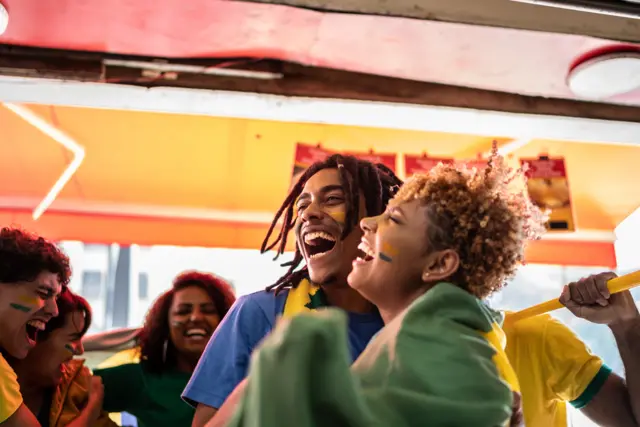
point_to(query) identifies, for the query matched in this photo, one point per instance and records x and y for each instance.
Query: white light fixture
(4, 19)
(605, 76)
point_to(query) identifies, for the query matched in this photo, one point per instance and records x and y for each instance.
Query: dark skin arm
(618, 401)
(204, 414)
(228, 408)
(23, 417)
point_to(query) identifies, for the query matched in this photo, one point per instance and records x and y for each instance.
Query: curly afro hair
(155, 331)
(23, 256)
(481, 216)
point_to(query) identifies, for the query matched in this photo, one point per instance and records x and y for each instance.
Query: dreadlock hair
(478, 214)
(378, 184)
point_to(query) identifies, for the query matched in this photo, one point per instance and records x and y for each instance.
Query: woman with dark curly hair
(174, 335)
(32, 273)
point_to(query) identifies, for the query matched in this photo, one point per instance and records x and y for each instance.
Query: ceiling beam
(493, 13)
(299, 81)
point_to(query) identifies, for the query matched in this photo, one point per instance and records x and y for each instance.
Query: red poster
(305, 156)
(421, 164)
(479, 164)
(548, 188)
(389, 160)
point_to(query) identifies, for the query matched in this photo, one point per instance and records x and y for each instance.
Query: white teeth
(196, 332)
(364, 247)
(318, 235)
(38, 324)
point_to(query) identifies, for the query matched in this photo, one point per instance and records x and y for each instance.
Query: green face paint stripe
(385, 257)
(20, 307)
(68, 347)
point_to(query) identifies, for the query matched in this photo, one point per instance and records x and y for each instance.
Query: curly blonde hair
(478, 214)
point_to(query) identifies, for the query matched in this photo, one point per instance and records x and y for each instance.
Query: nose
(196, 316)
(51, 307)
(313, 211)
(79, 350)
(369, 224)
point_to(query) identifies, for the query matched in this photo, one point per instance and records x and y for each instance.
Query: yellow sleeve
(570, 366)
(10, 397)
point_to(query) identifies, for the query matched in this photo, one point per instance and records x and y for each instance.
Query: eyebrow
(323, 190)
(50, 290)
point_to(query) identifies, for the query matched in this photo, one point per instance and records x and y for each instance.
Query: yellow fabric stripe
(298, 298)
(496, 337)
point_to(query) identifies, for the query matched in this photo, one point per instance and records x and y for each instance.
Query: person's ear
(440, 265)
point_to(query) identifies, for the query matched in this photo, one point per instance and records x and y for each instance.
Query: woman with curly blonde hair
(448, 239)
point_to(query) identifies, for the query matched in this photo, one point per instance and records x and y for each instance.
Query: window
(143, 286)
(91, 284)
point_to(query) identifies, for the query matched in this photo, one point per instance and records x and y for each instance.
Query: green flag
(431, 366)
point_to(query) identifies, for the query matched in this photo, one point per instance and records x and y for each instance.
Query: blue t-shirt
(225, 361)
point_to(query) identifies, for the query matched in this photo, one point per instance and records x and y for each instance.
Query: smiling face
(321, 210)
(45, 364)
(192, 319)
(25, 308)
(400, 264)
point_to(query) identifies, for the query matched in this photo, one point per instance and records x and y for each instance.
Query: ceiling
(155, 178)
(511, 60)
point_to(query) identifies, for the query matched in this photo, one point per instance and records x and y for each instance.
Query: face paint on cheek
(69, 349)
(20, 307)
(338, 217)
(29, 300)
(388, 252)
(177, 323)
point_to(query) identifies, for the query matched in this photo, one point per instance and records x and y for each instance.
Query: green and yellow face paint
(26, 303)
(70, 349)
(388, 252)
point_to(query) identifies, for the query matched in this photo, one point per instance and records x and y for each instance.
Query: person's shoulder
(532, 327)
(260, 301)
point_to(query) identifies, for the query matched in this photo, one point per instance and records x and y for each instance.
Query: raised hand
(590, 299)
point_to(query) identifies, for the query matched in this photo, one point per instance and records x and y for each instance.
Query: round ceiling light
(4, 19)
(606, 75)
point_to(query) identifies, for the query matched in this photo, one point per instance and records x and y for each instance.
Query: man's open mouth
(33, 327)
(318, 243)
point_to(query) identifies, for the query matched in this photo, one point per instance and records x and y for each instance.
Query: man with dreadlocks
(323, 209)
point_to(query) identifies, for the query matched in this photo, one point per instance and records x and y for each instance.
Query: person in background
(175, 333)
(323, 209)
(56, 387)
(555, 367)
(447, 240)
(32, 273)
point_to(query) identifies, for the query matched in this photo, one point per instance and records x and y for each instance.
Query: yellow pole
(616, 285)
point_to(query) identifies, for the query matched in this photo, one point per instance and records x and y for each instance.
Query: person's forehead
(48, 280)
(321, 179)
(190, 295)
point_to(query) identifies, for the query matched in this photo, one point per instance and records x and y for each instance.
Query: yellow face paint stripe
(28, 299)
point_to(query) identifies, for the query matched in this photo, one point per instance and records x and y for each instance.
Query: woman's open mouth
(318, 244)
(366, 253)
(197, 334)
